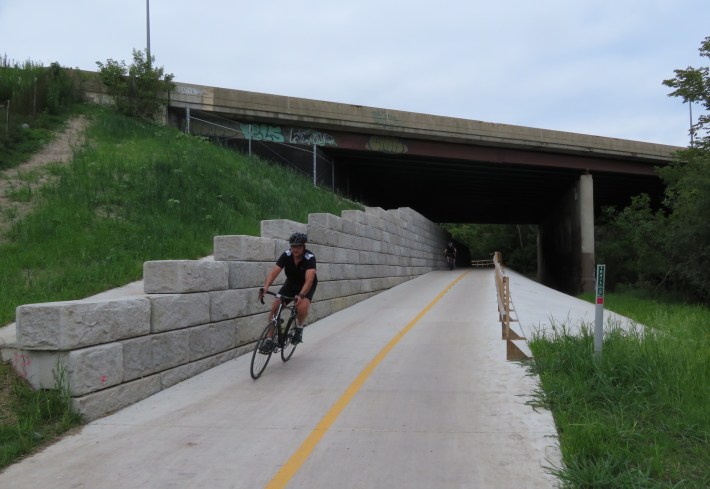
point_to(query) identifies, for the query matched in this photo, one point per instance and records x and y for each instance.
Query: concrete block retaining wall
(194, 315)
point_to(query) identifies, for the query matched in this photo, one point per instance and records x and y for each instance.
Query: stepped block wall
(194, 315)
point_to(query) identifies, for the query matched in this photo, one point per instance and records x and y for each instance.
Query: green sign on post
(601, 271)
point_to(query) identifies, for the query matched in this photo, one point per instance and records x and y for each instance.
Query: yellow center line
(289, 469)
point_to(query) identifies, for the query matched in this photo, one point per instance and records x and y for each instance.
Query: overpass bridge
(447, 169)
(419, 157)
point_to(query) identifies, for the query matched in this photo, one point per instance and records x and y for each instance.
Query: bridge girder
(453, 190)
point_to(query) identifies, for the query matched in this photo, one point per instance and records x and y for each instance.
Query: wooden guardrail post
(516, 348)
(506, 307)
(503, 290)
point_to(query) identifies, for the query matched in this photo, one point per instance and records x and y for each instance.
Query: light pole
(147, 26)
(690, 110)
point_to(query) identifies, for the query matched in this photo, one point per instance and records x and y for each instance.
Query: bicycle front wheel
(260, 358)
(289, 347)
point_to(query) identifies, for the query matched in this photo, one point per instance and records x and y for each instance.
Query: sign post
(599, 311)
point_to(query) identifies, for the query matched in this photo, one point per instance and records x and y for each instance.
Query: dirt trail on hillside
(33, 173)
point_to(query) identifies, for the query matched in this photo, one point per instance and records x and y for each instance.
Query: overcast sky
(587, 66)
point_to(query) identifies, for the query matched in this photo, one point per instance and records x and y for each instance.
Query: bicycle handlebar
(278, 296)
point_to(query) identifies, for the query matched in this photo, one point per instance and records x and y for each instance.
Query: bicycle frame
(451, 261)
(279, 321)
(275, 330)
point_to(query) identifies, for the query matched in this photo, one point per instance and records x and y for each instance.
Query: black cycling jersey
(296, 274)
(450, 250)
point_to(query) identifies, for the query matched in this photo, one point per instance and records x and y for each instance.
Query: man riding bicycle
(450, 254)
(301, 281)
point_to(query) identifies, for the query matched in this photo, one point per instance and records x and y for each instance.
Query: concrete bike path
(441, 408)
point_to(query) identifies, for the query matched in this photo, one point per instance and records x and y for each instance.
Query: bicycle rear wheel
(289, 347)
(260, 360)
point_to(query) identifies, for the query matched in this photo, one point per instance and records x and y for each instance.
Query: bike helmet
(298, 238)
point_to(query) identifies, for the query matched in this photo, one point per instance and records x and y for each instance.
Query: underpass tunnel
(481, 185)
(562, 203)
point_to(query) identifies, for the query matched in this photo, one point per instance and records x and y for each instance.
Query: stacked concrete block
(196, 314)
(362, 253)
(281, 228)
(70, 325)
(183, 276)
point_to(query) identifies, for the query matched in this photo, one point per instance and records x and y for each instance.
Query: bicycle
(451, 259)
(281, 335)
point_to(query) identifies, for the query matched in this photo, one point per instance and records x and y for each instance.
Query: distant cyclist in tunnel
(301, 281)
(450, 254)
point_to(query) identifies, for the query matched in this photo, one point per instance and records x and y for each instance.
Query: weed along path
(409, 388)
(33, 174)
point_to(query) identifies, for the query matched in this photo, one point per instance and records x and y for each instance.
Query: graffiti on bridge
(311, 137)
(386, 144)
(384, 117)
(183, 90)
(262, 132)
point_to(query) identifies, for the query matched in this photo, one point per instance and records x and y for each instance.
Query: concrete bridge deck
(440, 408)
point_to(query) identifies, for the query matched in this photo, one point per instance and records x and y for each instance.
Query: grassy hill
(136, 192)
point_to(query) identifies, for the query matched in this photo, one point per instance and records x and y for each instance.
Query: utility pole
(147, 26)
(690, 110)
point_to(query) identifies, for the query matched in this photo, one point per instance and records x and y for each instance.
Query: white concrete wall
(195, 315)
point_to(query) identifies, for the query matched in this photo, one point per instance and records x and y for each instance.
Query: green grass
(39, 99)
(15, 149)
(135, 192)
(140, 192)
(639, 416)
(28, 418)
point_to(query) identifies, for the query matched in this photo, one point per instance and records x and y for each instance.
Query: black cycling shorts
(291, 291)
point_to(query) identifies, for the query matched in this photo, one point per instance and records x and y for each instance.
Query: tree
(688, 233)
(670, 247)
(518, 243)
(688, 191)
(693, 86)
(138, 89)
(632, 244)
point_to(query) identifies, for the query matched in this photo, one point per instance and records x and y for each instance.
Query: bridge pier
(566, 241)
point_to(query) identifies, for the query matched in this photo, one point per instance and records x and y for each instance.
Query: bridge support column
(566, 241)
(586, 220)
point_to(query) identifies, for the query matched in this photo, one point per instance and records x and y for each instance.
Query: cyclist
(301, 281)
(450, 254)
